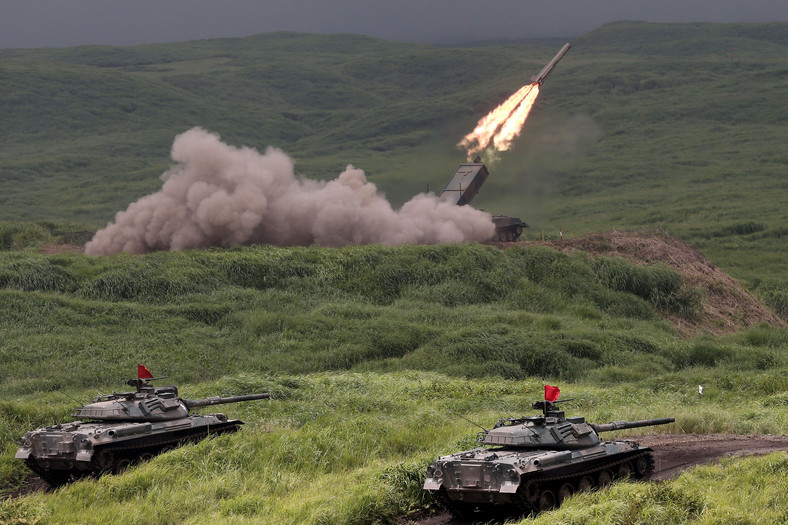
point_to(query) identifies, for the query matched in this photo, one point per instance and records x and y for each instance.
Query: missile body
(539, 79)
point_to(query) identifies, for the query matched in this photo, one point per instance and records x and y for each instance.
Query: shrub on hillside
(36, 274)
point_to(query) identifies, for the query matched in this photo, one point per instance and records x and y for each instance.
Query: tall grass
(353, 448)
(466, 310)
(736, 491)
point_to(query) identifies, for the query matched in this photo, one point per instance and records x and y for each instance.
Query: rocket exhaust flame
(511, 128)
(503, 124)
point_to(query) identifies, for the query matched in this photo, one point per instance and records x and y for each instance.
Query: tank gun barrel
(216, 400)
(620, 425)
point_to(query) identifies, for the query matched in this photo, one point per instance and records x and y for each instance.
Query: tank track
(54, 478)
(539, 485)
(527, 500)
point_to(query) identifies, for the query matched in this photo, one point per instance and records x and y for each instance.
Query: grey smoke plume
(220, 195)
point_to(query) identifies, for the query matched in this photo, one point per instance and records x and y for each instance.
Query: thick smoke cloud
(220, 195)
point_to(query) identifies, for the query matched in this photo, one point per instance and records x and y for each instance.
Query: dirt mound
(727, 306)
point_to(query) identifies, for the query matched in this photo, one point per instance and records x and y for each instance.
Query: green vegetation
(729, 493)
(676, 126)
(370, 354)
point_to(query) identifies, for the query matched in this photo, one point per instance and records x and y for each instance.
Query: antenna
(473, 422)
(71, 398)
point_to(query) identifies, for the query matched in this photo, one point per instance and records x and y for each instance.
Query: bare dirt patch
(673, 453)
(53, 248)
(727, 306)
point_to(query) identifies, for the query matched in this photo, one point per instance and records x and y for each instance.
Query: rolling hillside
(673, 126)
(371, 354)
(375, 356)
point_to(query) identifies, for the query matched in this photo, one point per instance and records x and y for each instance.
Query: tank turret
(532, 463)
(122, 428)
(149, 403)
(553, 430)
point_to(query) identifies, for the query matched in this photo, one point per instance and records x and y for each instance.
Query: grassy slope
(676, 126)
(369, 352)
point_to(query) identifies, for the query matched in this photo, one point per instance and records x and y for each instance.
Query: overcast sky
(57, 23)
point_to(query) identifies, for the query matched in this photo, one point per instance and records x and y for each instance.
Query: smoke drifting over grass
(220, 195)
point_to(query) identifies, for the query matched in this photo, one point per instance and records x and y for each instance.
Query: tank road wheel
(120, 466)
(147, 456)
(565, 491)
(546, 501)
(624, 471)
(517, 232)
(585, 483)
(644, 466)
(604, 479)
(103, 461)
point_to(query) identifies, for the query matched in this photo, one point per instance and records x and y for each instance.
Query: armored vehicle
(536, 462)
(465, 184)
(119, 429)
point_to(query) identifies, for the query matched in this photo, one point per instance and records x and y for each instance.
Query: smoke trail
(220, 195)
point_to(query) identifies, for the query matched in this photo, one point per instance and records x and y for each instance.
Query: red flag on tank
(144, 373)
(551, 393)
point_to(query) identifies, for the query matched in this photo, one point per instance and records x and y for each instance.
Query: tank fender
(432, 484)
(85, 452)
(434, 479)
(510, 486)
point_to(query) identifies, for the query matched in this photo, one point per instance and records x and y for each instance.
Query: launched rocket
(540, 78)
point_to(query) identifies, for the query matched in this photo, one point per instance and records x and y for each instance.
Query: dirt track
(677, 452)
(674, 453)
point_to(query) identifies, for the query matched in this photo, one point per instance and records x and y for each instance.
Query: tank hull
(62, 453)
(508, 229)
(484, 481)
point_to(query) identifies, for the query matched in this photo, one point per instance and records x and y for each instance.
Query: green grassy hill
(370, 353)
(678, 126)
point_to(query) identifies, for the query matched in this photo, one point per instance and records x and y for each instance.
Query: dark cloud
(45, 23)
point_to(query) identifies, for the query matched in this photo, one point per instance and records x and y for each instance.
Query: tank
(465, 184)
(120, 429)
(530, 464)
(508, 229)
